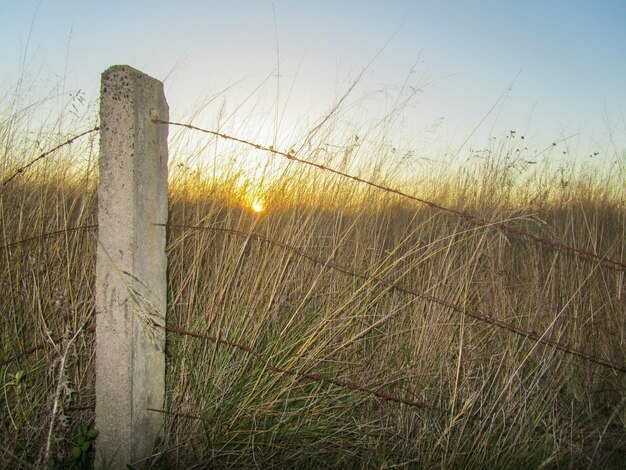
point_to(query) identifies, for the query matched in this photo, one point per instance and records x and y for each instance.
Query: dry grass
(502, 401)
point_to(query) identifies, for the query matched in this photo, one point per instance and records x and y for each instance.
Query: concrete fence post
(130, 267)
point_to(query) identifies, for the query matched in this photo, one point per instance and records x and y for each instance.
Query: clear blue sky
(565, 60)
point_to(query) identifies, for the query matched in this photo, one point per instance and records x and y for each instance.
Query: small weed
(81, 453)
(16, 381)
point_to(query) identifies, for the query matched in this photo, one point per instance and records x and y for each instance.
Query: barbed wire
(368, 277)
(20, 355)
(34, 349)
(476, 314)
(308, 375)
(581, 252)
(47, 235)
(46, 153)
(182, 415)
(42, 236)
(281, 370)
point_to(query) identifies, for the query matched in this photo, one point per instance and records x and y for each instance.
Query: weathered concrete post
(130, 266)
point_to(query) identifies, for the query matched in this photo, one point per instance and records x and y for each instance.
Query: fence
(131, 267)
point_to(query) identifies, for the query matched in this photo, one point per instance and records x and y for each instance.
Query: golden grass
(501, 401)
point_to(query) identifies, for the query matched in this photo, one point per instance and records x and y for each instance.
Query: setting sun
(257, 206)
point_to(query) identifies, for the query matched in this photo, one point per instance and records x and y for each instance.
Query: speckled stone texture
(130, 267)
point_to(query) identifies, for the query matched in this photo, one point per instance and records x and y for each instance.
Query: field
(357, 328)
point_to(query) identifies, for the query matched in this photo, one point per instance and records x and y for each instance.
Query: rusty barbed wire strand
(46, 153)
(580, 252)
(305, 375)
(308, 375)
(182, 415)
(8, 246)
(34, 349)
(42, 236)
(214, 339)
(395, 286)
(20, 355)
(476, 314)
(47, 235)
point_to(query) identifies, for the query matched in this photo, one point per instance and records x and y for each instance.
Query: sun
(257, 206)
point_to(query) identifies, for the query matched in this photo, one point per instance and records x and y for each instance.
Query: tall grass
(498, 400)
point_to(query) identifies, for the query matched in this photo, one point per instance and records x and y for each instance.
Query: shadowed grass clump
(331, 280)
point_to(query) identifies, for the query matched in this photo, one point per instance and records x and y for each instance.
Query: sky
(551, 70)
